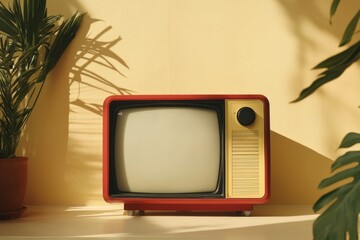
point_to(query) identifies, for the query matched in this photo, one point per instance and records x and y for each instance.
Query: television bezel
(117, 106)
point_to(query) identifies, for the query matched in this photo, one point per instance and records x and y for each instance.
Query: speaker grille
(245, 163)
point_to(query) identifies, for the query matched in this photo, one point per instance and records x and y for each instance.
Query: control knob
(246, 116)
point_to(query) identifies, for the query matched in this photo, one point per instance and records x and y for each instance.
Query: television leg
(134, 212)
(246, 213)
(130, 212)
(243, 213)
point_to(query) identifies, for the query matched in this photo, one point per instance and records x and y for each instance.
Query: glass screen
(167, 150)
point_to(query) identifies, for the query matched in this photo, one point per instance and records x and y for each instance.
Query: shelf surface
(109, 221)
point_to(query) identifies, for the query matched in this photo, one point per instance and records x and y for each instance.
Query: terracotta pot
(13, 181)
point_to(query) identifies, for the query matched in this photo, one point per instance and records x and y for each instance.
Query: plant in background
(342, 205)
(31, 44)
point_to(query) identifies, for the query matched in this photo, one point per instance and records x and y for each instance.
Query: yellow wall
(198, 46)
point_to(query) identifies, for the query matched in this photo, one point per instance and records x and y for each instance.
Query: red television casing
(236, 198)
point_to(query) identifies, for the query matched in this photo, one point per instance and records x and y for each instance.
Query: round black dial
(246, 116)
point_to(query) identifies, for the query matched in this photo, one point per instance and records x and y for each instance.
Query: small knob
(246, 116)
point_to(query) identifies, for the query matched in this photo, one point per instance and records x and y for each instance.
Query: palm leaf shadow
(95, 51)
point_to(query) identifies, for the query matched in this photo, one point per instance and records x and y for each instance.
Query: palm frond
(350, 140)
(7, 21)
(64, 36)
(335, 67)
(350, 30)
(333, 8)
(25, 31)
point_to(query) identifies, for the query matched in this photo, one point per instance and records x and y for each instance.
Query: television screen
(167, 149)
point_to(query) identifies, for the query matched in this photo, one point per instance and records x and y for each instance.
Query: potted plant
(339, 220)
(31, 44)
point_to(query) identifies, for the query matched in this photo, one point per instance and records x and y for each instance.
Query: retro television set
(186, 152)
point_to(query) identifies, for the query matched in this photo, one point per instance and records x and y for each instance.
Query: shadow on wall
(296, 171)
(63, 137)
(94, 65)
(92, 52)
(318, 13)
(300, 13)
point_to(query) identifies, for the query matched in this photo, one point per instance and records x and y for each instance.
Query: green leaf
(347, 158)
(349, 140)
(348, 173)
(66, 33)
(341, 216)
(335, 65)
(331, 196)
(350, 29)
(318, 83)
(340, 58)
(7, 24)
(333, 8)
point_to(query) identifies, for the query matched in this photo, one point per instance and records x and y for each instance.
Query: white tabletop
(106, 222)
